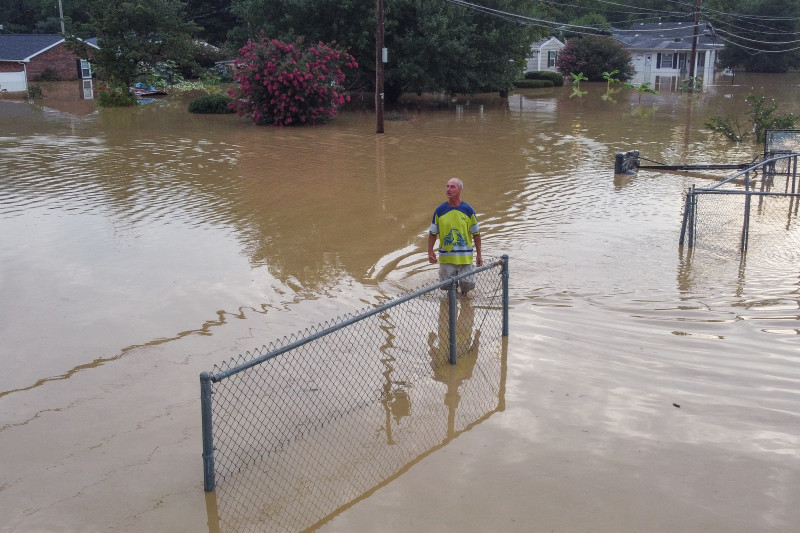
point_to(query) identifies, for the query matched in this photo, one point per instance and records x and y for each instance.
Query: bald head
(454, 186)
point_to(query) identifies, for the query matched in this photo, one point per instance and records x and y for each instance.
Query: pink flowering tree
(287, 83)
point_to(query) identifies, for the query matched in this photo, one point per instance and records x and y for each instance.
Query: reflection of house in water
(527, 101)
(661, 52)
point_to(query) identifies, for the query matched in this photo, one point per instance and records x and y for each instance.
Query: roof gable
(25, 46)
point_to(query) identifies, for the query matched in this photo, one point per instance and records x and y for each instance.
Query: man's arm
(477, 240)
(431, 254)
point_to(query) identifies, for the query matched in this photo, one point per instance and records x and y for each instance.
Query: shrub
(592, 55)
(533, 84)
(34, 92)
(286, 83)
(762, 118)
(49, 74)
(115, 95)
(555, 77)
(211, 104)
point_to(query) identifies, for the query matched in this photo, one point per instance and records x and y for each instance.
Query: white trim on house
(662, 51)
(544, 54)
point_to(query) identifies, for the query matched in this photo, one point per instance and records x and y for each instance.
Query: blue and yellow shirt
(455, 227)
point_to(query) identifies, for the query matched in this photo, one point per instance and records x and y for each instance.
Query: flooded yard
(646, 388)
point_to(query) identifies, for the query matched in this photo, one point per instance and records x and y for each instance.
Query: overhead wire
(720, 27)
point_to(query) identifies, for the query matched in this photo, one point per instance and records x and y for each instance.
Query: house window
(86, 70)
(88, 90)
(665, 61)
(551, 58)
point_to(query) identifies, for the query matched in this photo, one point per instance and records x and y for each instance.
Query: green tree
(214, 17)
(442, 47)
(593, 55)
(433, 45)
(760, 36)
(135, 36)
(349, 23)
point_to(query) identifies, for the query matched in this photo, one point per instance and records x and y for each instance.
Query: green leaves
(135, 35)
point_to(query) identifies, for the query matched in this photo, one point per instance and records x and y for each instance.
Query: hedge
(211, 103)
(557, 79)
(533, 84)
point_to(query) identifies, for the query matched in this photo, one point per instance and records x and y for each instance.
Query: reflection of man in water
(467, 340)
(455, 224)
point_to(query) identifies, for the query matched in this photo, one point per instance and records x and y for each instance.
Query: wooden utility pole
(694, 41)
(379, 70)
(61, 16)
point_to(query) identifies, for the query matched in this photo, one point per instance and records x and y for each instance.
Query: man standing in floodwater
(455, 224)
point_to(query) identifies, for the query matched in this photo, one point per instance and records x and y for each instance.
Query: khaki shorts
(447, 271)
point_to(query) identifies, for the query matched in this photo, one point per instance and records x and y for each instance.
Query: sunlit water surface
(142, 246)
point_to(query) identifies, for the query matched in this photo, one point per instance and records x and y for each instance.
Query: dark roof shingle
(666, 36)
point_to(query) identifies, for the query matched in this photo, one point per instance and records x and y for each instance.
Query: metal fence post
(686, 208)
(504, 274)
(692, 217)
(208, 438)
(746, 223)
(451, 300)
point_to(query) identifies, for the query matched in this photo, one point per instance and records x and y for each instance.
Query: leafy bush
(533, 84)
(115, 95)
(555, 77)
(762, 118)
(287, 83)
(34, 92)
(592, 55)
(211, 104)
(49, 74)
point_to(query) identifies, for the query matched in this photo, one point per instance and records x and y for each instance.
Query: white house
(661, 52)
(543, 55)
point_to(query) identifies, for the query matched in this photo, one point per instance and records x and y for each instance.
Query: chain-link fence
(754, 210)
(301, 427)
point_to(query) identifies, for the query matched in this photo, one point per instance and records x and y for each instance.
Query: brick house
(28, 57)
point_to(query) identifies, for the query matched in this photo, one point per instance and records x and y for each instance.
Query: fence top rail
(752, 168)
(349, 320)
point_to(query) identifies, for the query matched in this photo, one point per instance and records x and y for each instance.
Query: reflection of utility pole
(694, 41)
(379, 70)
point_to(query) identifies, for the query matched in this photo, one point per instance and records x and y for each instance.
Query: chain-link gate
(757, 207)
(324, 416)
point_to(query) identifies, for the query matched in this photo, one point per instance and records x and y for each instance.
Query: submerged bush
(115, 95)
(211, 104)
(532, 84)
(555, 77)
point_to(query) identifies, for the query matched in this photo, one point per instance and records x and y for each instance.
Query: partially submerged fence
(259, 405)
(756, 205)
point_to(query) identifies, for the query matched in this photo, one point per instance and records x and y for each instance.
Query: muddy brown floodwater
(646, 388)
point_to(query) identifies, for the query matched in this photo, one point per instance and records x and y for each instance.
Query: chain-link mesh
(763, 218)
(305, 432)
